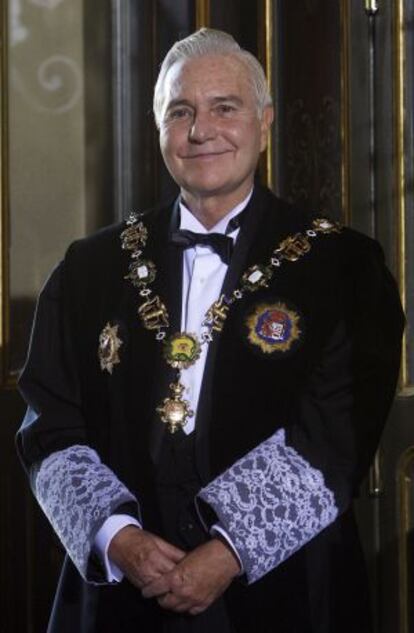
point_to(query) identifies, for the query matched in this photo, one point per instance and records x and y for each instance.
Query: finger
(164, 565)
(172, 552)
(141, 578)
(156, 564)
(158, 587)
(180, 608)
(197, 610)
(173, 603)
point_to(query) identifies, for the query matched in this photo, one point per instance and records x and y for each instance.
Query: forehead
(208, 76)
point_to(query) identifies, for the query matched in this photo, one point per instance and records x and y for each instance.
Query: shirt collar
(190, 223)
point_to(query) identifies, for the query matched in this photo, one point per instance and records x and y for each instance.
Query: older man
(207, 384)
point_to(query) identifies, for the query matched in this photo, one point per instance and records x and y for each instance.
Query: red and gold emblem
(273, 327)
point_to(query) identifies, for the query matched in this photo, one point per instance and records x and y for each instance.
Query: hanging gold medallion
(181, 350)
(175, 411)
(109, 344)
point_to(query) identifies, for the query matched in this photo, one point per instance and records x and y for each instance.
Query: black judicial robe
(331, 392)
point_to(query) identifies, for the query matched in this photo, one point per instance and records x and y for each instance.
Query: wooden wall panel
(308, 110)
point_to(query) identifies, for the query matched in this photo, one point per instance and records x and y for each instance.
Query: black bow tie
(221, 244)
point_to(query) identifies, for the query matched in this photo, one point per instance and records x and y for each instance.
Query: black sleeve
(76, 491)
(339, 418)
(49, 382)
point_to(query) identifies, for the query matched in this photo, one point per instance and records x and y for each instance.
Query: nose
(202, 129)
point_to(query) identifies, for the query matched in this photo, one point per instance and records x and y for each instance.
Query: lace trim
(271, 502)
(78, 493)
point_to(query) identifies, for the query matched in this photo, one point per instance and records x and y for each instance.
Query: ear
(265, 123)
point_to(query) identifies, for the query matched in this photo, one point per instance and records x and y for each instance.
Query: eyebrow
(233, 98)
(219, 99)
(178, 102)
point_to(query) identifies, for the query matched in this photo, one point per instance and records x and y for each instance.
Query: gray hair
(211, 42)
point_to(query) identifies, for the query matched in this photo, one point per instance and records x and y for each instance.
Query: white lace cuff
(271, 502)
(78, 493)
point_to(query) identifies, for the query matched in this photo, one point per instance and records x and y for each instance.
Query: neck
(211, 209)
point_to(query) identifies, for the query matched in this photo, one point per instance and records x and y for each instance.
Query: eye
(178, 113)
(225, 108)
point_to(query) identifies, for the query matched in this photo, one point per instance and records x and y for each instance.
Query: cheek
(167, 151)
(172, 142)
(165, 141)
(244, 137)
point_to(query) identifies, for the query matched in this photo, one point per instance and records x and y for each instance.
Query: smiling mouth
(206, 155)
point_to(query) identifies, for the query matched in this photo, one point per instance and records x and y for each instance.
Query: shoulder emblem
(274, 327)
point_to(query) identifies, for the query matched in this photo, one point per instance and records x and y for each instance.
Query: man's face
(211, 134)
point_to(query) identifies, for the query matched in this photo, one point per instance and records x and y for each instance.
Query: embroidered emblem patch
(274, 327)
(109, 344)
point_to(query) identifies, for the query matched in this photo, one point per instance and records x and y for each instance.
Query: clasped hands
(180, 581)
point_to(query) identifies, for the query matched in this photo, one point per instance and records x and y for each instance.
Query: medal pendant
(175, 411)
(109, 345)
(182, 350)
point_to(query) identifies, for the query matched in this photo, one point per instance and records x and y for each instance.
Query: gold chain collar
(182, 349)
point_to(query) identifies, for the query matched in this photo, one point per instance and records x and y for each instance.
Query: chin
(204, 190)
(209, 185)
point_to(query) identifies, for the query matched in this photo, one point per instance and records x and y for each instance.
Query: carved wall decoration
(59, 77)
(45, 69)
(52, 84)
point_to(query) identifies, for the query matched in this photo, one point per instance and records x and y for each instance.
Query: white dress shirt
(203, 276)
